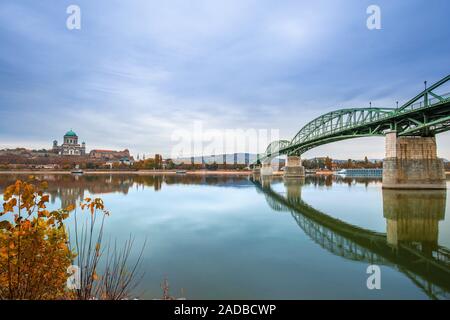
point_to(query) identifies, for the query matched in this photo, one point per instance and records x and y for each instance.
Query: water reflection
(293, 187)
(412, 217)
(411, 241)
(72, 188)
(329, 180)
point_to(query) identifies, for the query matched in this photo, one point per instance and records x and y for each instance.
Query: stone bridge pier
(412, 163)
(294, 168)
(266, 169)
(414, 216)
(293, 189)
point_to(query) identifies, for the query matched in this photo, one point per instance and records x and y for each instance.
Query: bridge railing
(431, 102)
(331, 127)
(344, 120)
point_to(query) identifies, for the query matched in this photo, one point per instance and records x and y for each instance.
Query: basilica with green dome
(70, 146)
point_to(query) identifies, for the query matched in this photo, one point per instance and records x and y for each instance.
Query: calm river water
(239, 237)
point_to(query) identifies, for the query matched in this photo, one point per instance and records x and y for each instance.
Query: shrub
(34, 251)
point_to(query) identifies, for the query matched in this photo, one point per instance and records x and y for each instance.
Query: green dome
(70, 134)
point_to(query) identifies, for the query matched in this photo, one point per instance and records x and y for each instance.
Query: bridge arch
(273, 149)
(425, 115)
(340, 121)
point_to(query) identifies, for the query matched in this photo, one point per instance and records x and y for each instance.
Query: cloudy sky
(140, 70)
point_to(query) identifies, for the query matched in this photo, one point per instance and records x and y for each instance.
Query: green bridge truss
(427, 114)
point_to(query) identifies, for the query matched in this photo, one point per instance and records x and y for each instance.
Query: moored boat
(77, 170)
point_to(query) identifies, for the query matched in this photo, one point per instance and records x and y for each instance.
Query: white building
(70, 147)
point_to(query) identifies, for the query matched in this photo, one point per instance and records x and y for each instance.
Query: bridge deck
(426, 114)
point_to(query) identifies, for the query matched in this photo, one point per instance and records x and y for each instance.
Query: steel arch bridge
(427, 114)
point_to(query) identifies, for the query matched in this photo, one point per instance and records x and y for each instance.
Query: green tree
(328, 163)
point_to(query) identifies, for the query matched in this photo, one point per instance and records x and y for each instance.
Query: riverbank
(139, 172)
(156, 172)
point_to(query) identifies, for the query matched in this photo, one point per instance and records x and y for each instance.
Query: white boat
(362, 172)
(77, 170)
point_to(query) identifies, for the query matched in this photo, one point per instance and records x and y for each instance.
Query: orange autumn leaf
(70, 207)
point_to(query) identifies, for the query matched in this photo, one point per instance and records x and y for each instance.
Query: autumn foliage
(34, 251)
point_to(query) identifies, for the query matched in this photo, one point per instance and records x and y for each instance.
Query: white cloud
(137, 71)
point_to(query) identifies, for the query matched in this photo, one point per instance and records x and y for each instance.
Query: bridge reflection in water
(410, 243)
